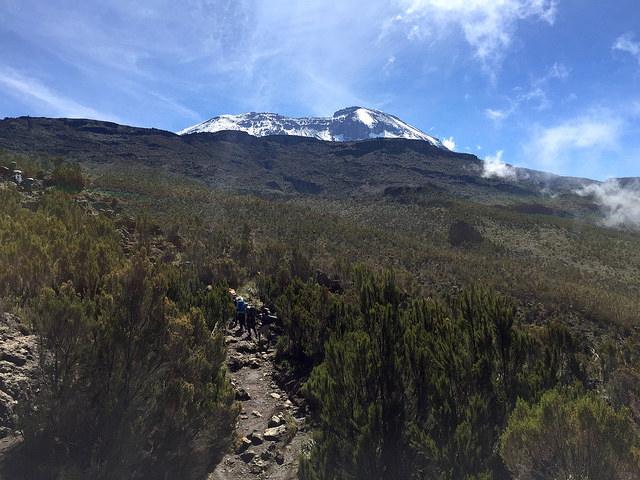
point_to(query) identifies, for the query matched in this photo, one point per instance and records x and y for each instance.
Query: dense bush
(413, 388)
(56, 243)
(68, 176)
(134, 386)
(567, 435)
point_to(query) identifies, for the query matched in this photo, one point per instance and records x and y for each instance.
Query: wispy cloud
(577, 145)
(627, 43)
(497, 114)
(535, 94)
(620, 203)
(176, 106)
(586, 136)
(488, 25)
(45, 99)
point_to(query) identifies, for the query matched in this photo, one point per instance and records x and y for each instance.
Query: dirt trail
(271, 425)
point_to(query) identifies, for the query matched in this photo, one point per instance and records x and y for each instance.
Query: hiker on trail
(251, 320)
(241, 312)
(266, 320)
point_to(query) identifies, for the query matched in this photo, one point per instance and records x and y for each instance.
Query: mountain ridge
(280, 165)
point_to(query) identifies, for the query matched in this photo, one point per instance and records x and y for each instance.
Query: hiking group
(251, 319)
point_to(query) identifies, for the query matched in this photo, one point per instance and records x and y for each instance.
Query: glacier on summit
(349, 124)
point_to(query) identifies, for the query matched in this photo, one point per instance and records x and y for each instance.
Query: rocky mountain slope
(349, 124)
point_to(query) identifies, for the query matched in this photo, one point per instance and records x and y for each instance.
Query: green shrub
(413, 388)
(134, 386)
(567, 435)
(68, 176)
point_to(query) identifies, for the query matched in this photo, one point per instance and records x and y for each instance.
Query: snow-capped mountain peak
(349, 124)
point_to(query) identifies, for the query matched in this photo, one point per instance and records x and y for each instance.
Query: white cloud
(494, 166)
(449, 143)
(488, 25)
(582, 136)
(46, 100)
(626, 43)
(620, 204)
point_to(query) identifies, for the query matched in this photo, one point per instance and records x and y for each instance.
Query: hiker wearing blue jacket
(241, 312)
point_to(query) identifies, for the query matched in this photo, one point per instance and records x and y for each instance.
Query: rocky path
(271, 426)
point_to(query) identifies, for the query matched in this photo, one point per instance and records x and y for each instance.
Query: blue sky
(552, 84)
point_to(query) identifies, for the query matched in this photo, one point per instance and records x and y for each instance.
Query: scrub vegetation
(432, 336)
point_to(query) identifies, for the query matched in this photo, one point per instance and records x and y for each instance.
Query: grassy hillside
(555, 266)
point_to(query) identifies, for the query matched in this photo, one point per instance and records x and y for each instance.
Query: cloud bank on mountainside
(619, 202)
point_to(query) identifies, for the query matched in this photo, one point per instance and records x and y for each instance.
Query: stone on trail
(242, 395)
(275, 433)
(244, 444)
(275, 396)
(235, 363)
(255, 438)
(254, 363)
(256, 413)
(247, 456)
(275, 421)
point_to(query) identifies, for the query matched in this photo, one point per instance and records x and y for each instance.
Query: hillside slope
(279, 165)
